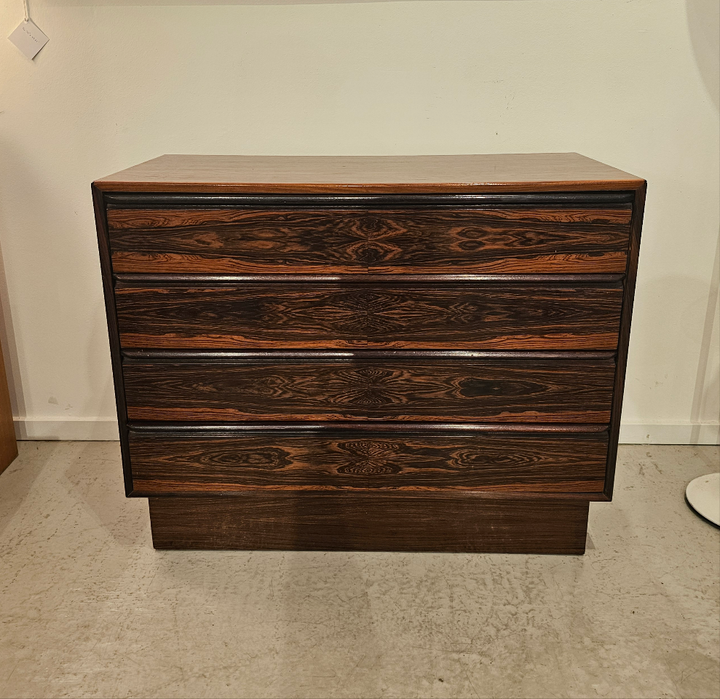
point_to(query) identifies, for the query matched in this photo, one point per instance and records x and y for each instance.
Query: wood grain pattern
(499, 316)
(420, 390)
(454, 241)
(516, 172)
(434, 461)
(481, 253)
(345, 521)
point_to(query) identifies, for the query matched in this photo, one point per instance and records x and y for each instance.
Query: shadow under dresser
(421, 353)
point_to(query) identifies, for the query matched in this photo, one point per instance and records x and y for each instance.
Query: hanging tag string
(27, 11)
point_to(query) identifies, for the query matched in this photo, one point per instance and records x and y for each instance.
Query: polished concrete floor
(89, 609)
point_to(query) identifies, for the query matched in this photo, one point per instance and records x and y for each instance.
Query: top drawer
(501, 240)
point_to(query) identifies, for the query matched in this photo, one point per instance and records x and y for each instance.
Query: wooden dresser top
(414, 174)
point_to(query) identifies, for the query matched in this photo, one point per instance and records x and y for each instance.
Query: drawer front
(498, 241)
(337, 460)
(497, 316)
(406, 390)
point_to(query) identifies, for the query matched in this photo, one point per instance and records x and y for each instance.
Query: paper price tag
(29, 38)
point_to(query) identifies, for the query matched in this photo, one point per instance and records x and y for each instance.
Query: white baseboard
(670, 433)
(99, 429)
(105, 429)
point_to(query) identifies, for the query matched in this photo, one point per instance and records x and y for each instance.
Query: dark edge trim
(624, 341)
(161, 356)
(131, 200)
(218, 429)
(127, 279)
(113, 332)
(398, 493)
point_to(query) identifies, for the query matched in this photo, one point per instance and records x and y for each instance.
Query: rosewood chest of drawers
(370, 353)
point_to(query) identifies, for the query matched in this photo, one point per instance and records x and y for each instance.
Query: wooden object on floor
(464, 523)
(370, 353)
(8, 442)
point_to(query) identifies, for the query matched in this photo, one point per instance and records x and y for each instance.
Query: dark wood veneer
(373, 389)
(177, 199)
(460, 523)
(349, 459)
(422, 353)
(499, 316)
(99, 206)
(350, 241)
(366, 279)
(624, 339)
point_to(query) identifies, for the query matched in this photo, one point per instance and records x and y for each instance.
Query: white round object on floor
(703, 495)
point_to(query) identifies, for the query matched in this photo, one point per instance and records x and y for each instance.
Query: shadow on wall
(52, 302)
(703, 17)
(707, 388)
(646, 346)
(7, 328)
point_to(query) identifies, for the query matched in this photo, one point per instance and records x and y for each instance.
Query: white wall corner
(670, 433)
(100, 429)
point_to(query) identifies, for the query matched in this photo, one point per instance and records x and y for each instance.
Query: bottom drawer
(321, 458)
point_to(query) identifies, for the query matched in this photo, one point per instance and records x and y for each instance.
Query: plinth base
(457, 523)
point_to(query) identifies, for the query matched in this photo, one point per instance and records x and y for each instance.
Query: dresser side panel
(625, 321)
(113, 331)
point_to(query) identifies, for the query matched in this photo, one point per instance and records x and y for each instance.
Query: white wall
(634, 84)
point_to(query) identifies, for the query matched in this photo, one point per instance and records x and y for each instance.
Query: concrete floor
(89, 609)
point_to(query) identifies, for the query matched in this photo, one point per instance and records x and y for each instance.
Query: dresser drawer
(334, 459)
(498, 240)
(406, 388)
(439, 316)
